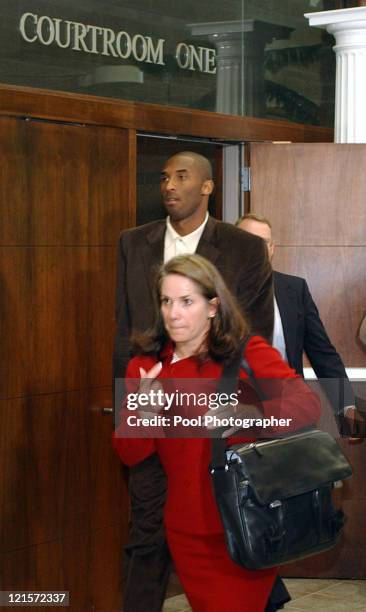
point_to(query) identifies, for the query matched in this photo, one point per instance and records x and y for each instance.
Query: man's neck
(184, 227)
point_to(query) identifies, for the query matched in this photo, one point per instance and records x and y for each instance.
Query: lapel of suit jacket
(287, 305)
(153, 252)
(208, 241)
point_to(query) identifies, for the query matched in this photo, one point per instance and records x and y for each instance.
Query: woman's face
(186, 312)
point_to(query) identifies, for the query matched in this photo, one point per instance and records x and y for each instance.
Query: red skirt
(212, 581)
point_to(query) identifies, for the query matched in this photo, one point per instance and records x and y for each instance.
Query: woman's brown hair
(228, 326)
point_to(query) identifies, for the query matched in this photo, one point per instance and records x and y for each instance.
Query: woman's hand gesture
(151, 388)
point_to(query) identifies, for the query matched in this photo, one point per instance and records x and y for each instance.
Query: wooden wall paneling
(57, 318)
(87, 565)
(69, 184)
(319, 191)
(56, 462)
(78, 108)
(63, 500)
(66, 192)
(313, 195)
(57, 300)
(336, 278)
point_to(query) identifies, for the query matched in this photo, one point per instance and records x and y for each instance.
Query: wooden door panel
(66, 192)
(339, 294)
(63, 184)
(60, 474)
(57, 318)
(87, 565)
(314, 196)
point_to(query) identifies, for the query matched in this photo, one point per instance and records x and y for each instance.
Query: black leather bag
(275, 496)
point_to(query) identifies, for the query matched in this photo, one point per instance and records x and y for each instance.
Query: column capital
(234, 30)
(348, 27)
(340, 16)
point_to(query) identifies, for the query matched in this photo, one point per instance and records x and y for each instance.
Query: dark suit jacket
(304, 332)
(240, 257)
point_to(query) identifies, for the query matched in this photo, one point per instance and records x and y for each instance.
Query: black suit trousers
(147, 558)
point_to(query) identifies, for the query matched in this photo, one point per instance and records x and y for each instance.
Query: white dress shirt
(278, 336)
(175, 244)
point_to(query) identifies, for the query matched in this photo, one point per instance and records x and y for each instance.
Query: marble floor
(307, 594)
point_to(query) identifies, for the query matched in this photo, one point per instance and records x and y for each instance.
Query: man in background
(298, 329)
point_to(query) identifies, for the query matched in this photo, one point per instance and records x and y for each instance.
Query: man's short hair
(254, 217)
(201, 162)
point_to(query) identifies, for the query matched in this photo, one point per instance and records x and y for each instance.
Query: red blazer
(190, 505)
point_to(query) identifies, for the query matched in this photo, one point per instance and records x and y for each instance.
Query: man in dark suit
(186, 183)
(298, 329)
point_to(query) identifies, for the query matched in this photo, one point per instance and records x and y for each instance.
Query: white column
(240, 62)
(229, 73)
(348, 27)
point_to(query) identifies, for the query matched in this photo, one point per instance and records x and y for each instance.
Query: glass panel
(298, 62)
(240, 57)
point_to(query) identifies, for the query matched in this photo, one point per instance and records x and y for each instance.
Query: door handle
(106, 410)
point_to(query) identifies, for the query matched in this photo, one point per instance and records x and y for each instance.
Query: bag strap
(259, 391)
(230, 372)
(228, 384)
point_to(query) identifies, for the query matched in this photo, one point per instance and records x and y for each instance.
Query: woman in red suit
(198, 329)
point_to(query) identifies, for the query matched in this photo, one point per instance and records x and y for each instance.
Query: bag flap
(278, 469)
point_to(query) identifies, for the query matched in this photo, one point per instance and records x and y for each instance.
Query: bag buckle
(275, 504)
(226, 468)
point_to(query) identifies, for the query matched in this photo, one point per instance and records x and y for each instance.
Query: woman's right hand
(150, 386)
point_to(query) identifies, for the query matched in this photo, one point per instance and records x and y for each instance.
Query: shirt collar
(173, 235)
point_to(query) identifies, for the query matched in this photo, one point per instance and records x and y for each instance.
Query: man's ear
(271, 249)
(207, 187)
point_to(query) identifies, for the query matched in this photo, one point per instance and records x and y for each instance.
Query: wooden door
(65, 193)
(314, 196)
